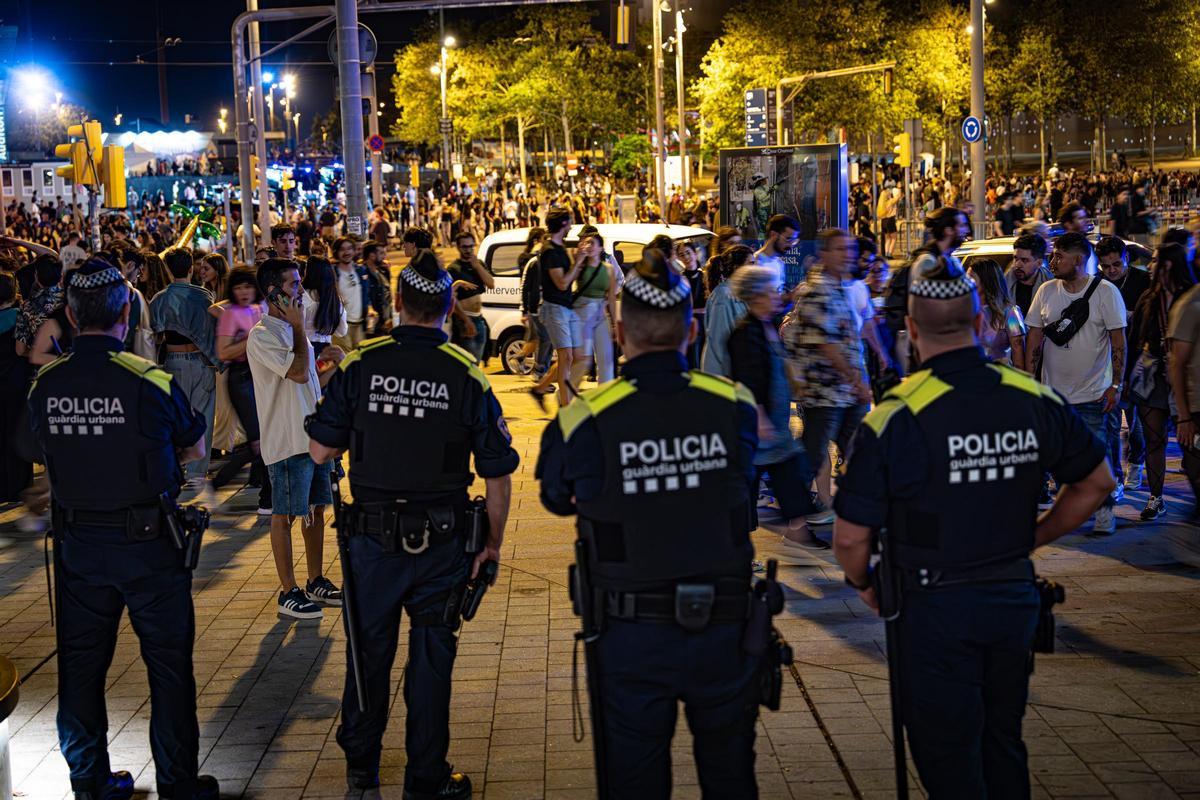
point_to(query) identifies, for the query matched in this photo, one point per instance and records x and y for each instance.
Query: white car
(1000, 250)
(499, 252)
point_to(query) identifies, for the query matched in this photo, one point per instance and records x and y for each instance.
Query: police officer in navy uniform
(412, 409)
(658, 467)
(114, 429)
(950, 463)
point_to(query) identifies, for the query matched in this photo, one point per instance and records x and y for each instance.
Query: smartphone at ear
(276, 297)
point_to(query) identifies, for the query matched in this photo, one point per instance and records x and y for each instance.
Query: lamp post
(439, 69)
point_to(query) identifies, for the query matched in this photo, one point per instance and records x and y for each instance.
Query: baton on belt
(348, 613)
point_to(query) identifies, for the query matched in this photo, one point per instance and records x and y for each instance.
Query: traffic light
(112, 176)
(253, 172)
(84, 153)
(903, 149)
(887, 82)
(286, 180)
(624, 26)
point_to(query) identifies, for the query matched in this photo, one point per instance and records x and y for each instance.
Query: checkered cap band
(943, 289)
(94, 280)
(650, 294)
(422, 284)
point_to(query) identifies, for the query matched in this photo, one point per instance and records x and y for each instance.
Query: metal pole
(442, 123)
(660, 150)
(685, 173)
(350, 85)
(260, 139)
(376, 158)
(979, 147)
(874, 186)
(229, 229)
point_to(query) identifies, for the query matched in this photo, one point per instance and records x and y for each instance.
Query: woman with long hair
(537, 338)
(1004, 330)
(595, 302)
(324, 316)
(722, 311)
(212, 271)
(726, 237)
(1170, 276)
(154, 276)
(240, 312)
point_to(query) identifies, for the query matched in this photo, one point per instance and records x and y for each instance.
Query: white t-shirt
(310, 320)
(772, 262)
(349, 287)
(282, 404)
(860, 302)
(1082, 370)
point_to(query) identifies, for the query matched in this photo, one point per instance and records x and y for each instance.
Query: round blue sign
(971, 129)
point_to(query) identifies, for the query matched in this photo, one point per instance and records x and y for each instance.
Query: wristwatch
(1118, 387)
(862, 587)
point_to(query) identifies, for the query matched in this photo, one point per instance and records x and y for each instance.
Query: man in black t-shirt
(469, 328)
(1132, 283)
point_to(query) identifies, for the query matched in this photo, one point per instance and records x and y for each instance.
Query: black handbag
(1074, 317)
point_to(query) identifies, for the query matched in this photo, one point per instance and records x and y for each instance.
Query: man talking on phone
(286, 389)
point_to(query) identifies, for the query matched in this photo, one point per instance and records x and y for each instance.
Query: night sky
(76, 46)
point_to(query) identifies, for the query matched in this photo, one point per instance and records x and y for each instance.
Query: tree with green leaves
(1043, 84)
(39, 131)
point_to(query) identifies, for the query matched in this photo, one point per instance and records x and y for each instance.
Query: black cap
(653, 283)
(425, 274)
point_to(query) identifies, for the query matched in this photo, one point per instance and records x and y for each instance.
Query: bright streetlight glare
(435, 70)
(449, 42)
(33, 87)
(268, 77)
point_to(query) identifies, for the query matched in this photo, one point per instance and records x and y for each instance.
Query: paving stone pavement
(1114, 713)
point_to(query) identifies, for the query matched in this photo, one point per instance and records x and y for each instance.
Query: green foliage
(39, 132)
(630, 153)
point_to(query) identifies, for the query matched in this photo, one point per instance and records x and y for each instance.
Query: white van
(499, 252)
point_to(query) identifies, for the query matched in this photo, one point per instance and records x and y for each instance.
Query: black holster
(185, 525)
(763, 641)
(1050, 594)
(477, 526)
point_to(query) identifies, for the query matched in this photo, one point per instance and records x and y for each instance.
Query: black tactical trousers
(645, 670)
(100, 572)
(386, 585)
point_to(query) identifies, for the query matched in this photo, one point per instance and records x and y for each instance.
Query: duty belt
(99, 519)
(692, 605)
(398, 527)
(925, 578)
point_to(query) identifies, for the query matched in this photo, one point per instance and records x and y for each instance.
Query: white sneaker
(1133, 480)
(32, 523)
(265, 512)
(822, 517)
(1118, 493)
(1105, 523)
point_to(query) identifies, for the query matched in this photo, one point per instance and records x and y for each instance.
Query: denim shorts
(299, 483)
(564, 325)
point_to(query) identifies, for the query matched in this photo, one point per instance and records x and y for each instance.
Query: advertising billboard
(806, 181)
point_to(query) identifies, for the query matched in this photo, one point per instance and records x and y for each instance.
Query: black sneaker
(362, 779)
(295, 604)
(321, 590)
(457, 786)
(118, 787)
(1155, 508)
(205, 788)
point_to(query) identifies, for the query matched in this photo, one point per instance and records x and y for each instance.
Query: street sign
(368, 46)
(376, 143)
(971, 129)
(354, 225)
(756, 118)
(445, 125)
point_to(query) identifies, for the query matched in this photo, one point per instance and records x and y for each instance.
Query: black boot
(457, 786)
(118, 787)
(362, 778)
(205, 787)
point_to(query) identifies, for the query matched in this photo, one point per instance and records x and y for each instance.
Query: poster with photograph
(808, 182)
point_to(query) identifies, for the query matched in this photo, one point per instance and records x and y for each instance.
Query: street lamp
(444, 122)
(33, 87)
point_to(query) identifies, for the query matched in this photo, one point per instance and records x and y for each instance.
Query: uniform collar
(96, 343)
(419, 335)
(657, 362)
(956, 360)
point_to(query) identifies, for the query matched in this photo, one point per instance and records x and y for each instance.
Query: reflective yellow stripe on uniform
(915, 393)
(46, 368)
(364, 346)
(721, 387)
(143, 369)
(1011, 376)
(592, 403)
(919, 390)
(467, 359)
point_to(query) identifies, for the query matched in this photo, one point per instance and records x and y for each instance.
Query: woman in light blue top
(722, 311)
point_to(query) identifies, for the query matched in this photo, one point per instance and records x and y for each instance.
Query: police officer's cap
(93, 274)
(940, 279)
(425, 274)
(653, 283)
